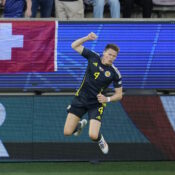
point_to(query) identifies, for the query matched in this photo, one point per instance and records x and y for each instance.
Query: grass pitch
(85, 168)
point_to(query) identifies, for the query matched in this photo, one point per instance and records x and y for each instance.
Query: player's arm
(118, 94)
(77, 44)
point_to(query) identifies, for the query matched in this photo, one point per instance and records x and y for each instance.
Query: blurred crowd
(76, 9)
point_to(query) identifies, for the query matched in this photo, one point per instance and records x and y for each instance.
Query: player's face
(109, 56)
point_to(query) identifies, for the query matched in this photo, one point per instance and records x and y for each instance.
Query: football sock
(99, 138)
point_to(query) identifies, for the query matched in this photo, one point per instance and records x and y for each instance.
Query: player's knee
(67, 132)
(93, 136)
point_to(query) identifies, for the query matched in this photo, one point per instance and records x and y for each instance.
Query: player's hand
(92, 36)
(101, 98)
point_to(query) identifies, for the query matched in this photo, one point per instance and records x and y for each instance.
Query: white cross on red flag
(27, 46)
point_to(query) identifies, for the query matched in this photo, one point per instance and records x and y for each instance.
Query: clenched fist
(101, 98)
(92, 36)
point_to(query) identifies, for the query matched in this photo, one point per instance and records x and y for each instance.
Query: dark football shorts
(80, 106)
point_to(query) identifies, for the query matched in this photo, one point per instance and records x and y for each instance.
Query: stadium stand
(159, 11)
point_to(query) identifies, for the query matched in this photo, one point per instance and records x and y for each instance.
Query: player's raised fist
(92, 36)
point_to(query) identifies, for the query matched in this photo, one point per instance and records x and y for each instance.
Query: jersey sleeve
(117, 81)
(89, 53)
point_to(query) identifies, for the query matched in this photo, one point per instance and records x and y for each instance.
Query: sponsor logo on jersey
(95, 64)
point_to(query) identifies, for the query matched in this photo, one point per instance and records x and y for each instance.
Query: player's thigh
(71, 123)
(94, 128)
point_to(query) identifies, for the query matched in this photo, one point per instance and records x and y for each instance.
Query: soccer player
(100, 73)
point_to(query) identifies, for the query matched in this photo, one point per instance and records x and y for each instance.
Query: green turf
(85, 168)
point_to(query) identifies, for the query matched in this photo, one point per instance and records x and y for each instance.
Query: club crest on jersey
(107, 74)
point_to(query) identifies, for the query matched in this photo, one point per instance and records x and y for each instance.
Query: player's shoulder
(91, 52)
(116, 71)
(96, 53)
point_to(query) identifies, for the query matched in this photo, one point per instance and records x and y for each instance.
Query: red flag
(27, 46)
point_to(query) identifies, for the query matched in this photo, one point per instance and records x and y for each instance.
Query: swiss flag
(27, 46)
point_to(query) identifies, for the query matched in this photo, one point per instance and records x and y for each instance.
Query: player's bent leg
(94, 134)
(94, 129)
(70, 124)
